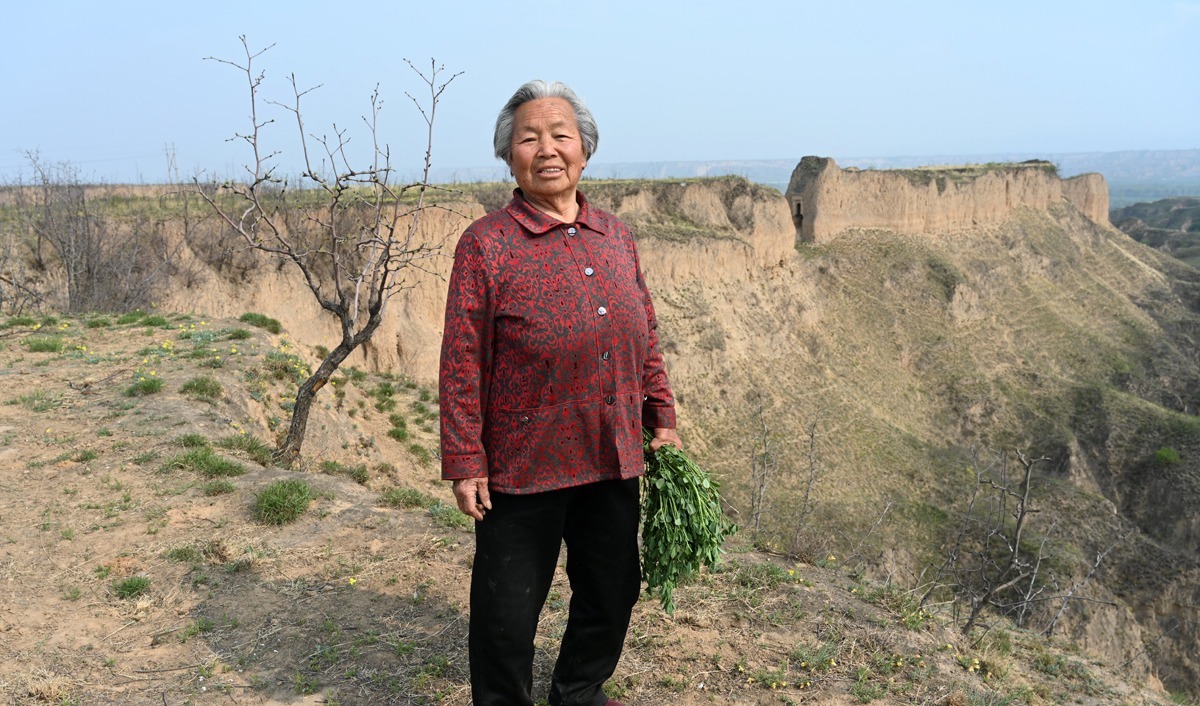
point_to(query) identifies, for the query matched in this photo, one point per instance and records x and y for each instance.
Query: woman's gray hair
(535, 90)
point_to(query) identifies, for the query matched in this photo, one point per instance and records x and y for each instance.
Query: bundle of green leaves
(683, 526)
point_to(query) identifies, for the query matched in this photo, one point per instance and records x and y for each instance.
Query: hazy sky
(108, 86)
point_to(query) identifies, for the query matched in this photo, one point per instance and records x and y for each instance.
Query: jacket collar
(539, 223)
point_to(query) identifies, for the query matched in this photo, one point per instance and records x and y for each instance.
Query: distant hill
(1171, 225)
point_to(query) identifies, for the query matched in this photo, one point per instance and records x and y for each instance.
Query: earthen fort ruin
(825, 199)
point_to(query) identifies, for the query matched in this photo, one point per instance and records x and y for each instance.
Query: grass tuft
(203, 387)
(261, 321)
(206, 462)
(192, 441)
(282, 502)
(256, 450)
(358, 472)
(218, 487)
(44, 344)
(144, 385)
(131, 587)
(406, 497)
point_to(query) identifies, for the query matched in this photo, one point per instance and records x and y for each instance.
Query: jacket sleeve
(466, 361)
(658, 403)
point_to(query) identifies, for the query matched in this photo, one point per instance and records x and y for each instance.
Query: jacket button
(524, 420)
(570, 231)
(610, 399)
(602, 311)
(588, 271)
(605, 355)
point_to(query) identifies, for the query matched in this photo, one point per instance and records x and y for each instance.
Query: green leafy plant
(683, 526)
(282, 502)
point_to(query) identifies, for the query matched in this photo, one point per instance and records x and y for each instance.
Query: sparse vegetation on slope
(362, 597)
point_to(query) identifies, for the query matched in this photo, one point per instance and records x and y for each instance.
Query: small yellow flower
(353, 580)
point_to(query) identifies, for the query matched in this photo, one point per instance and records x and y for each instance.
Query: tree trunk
(289, 450)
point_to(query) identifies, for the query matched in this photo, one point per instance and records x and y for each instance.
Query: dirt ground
(130, 573)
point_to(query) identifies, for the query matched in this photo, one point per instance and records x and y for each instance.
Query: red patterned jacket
(550, 363)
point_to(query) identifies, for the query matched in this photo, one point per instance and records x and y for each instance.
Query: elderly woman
(550, 368)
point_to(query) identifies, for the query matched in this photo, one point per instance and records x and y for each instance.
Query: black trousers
(517, 546)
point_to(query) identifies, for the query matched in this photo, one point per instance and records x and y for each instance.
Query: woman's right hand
(472, 496)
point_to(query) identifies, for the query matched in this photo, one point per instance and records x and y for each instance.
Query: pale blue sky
(107, 86)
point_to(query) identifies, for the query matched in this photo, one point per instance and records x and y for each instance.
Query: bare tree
(358, 233)
(763, 463)
(109, 261)
(990, 563)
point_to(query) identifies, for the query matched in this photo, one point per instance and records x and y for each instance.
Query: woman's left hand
(662, 437)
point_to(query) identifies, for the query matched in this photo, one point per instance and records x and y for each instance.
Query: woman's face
(547, 151)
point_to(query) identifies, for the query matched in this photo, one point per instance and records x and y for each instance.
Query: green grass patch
(421, 454)
(192, 441)
(98, 322)
(203, 387)
(217, 487)
(144, 385)
(44, 344)
(202, 626)
(358, 472)
(38, 401)
(448, 516)
(205, 461)
(19, 321)
(144, 458)
(282, 502)
(155, 321)
(406, 498)
(131, 318)
(238, 334)
(131, 587)
(254, 449)
(285, 366)
(86, 455)
(261, 321)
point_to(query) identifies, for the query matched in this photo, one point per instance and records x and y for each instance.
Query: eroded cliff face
(826, 200)
(716, 230)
